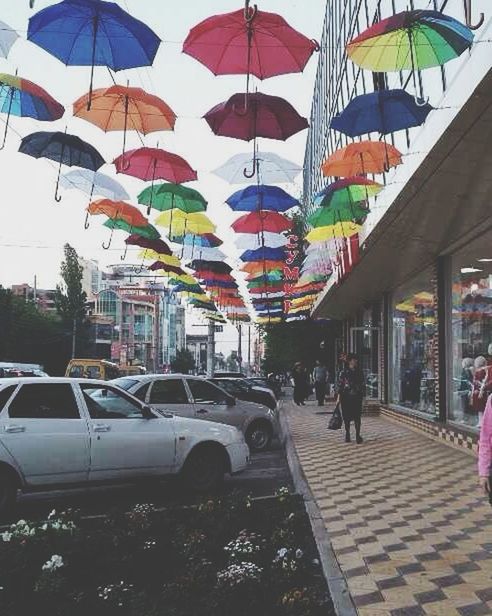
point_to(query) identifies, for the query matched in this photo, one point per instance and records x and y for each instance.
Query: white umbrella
(247, 241)
(8, 36)
(188, 251)
(273, 169)
(94, 183)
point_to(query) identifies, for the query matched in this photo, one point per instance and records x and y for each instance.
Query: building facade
(416, 304)
(43, 298)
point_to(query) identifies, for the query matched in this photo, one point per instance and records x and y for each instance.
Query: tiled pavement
(409, 528)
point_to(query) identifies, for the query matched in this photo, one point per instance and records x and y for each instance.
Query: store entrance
(365, 343)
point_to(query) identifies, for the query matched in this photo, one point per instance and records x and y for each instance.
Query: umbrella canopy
(261, 197)
(341, 229)
(93, 183)
(164, 267)
(271, 169)
(226, 284)
(63, 148)
(180, 223)
(188, 288)
(148, 231)
(8, 36)
(266, 116)
(209, 254)
(213, 266)
(258, 222)
(264, 254)
(383, 111)
(249, 42)
(361, 158)
(158, 245)
(410, 40)
(251, 241)
(255, 267)
(206, 240)
(151, 164)
(272, 275)
(168, 196)
(325, 216)
(118, 210)
(147, 253)
(347, 191)
(82, 33)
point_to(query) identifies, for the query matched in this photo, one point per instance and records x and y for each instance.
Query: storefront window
(414, 336)
(471, 331)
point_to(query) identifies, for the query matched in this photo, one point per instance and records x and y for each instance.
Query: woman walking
(300, 378)
(350, 393)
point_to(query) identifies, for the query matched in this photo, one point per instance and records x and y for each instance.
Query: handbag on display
(336, 421)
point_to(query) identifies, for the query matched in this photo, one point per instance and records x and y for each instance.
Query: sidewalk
(408, 526)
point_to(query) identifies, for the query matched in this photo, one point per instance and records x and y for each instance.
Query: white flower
(282, 552)
(299, 553)
(52, 514)
(238, 573)
(55, 562)
(6, 536)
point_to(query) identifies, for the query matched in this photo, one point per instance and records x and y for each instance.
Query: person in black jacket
(301, 384)
(350, 393)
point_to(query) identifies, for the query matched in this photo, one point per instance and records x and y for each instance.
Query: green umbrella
(271, 276)
(149, 231)
(164, 197)
(274, 284)
(325, 216)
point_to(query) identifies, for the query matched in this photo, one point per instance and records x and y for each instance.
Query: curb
(335, 579)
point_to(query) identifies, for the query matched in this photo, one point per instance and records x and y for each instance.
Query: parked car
(59, 431)
(235, 375)
(241, 389)
(259, 381)
(193, 396)
(13, 369)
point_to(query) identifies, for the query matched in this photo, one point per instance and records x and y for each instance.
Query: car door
(170, 394)
(123, 443)
(211, 403)
(42, 428)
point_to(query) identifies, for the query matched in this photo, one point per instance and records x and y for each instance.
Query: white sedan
(59, 431)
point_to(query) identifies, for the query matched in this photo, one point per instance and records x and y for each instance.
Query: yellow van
(132, 370)
(92, 369)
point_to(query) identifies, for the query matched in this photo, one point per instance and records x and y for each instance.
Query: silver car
(193, 396)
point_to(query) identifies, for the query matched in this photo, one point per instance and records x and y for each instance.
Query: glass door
(365, 343)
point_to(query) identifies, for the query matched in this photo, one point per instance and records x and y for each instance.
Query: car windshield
(125, 383)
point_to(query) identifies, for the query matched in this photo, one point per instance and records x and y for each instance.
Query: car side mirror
(231, 401)
(147, 412)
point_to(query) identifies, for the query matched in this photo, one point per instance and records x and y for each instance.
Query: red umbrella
(249, 42)
(266, 116)
(150, 164)
(208, 275)
(159, 246)
(262, 221)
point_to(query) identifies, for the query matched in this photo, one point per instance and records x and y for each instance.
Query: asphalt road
(266, 473)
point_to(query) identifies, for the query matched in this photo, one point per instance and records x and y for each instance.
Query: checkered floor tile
(409, 527)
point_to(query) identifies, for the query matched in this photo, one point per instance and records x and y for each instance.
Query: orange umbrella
(361, 158)
(124, 108)
(254, 267)
(117, 210)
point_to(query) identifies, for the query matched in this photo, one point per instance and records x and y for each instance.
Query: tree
(70, 299)
(184, 361)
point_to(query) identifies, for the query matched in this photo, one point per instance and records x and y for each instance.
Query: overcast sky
(33, 228)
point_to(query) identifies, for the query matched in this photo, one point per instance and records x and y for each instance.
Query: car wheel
(8, 492)
(204, 470)
(259, 436)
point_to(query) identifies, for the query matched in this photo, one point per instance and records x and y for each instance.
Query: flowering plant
(116, 594)
(238, 573)
(244, 547)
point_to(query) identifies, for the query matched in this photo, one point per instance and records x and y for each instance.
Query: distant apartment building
(43, 298)
(91, 277)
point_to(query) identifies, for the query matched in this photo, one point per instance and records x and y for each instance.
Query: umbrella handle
(106, 246)
(8, 118)
(242, 112)
(421, 102)
(468, 15)
(86, 221)
(123, 256)
(95, 24)
(250, 12)
(256, 164)
(317, 46)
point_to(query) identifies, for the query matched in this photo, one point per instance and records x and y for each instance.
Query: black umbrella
(219, 267)
(63, 148)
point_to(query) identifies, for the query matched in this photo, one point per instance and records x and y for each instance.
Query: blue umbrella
(62, 148)
(186, 288)
(264, 254)
(223, 284)
(93, 33)
(384, 111)
(261, 197)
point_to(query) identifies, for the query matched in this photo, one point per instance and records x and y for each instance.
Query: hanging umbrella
(264, 254)
(218, 268)
(255, 267)
(362, 157)
(258, 222)
(120, 108)
(147, 253)
(261, 197)
(153, 244)
(168, 196)
(272, 275)
(188, 288)
(347, 191)
(64, 149)
(196, 223)
(206, 240)
(226, 284)
(148, 231)
(118, 210)
(209, 254)
(341, 229)
(271, 169)
(90, 33)
(93, 183)
(325, 216)
(164, 267)
(270, 240)
(8, 36)
(383, 112)
(410, 40)
(23, 98)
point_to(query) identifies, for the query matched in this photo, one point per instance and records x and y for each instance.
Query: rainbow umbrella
(410, 40)
(347, 191)
(325, 216)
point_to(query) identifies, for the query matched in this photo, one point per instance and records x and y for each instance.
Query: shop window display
(471, 332)
(413, 348)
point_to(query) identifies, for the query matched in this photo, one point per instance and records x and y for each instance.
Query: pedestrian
(301, 385)
(350, 393)
(485, 449)
(320, 376)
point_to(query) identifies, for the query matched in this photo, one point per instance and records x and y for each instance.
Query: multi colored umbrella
(383, 111)
(261, 197)
(270, 168)
(23, 98)
(121, 108)
(195, 223)
(325, 216)
(361, 158)
(340, 229)
(63, 148)
(259, 222)
(94, 183)
(347, 191)
(410, 40)
(205, 240)
(89, 33)
(8, 36)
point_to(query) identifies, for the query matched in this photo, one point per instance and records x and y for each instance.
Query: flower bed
(229, 556)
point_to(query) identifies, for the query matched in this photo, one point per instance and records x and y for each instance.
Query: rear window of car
(125, 383)
(5, 395)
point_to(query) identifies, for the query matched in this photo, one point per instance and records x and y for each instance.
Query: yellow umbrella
(153, 254)
(180, 223)
(185, 278)
(268, 320)
(341, 229)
